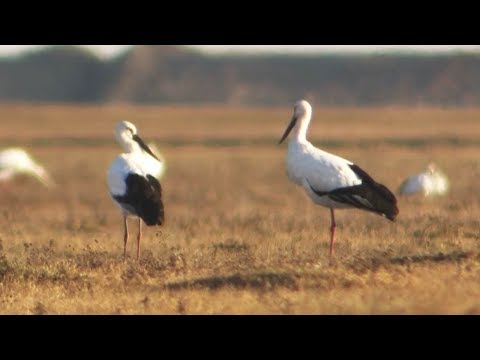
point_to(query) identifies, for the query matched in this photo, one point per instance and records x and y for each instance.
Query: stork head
(126, 135)
(302, 112)
(125, 131)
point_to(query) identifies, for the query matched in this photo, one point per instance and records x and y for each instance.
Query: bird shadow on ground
(266, 280)
(374, 263)
(322, 278)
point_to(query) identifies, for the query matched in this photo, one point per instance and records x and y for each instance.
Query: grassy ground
(239, 237)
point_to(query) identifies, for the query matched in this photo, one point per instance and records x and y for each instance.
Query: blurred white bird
(16, 161)
(430, 183)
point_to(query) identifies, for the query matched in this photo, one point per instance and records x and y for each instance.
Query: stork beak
(144, 146)
(289, 128)
(154, 149)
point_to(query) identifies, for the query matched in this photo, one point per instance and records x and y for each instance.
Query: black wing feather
(376, 197)
(144, 197)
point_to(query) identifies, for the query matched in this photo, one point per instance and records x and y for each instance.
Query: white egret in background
(330, 180)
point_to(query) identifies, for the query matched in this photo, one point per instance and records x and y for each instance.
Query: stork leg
(332, 231)
(125, 237)
(139, 236)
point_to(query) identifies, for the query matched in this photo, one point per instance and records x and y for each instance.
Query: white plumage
(431, 182)
(16, 161)
(330, 180)
(163, 164)
(133, 181)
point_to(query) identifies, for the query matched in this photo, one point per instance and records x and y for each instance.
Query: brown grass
(239, 237)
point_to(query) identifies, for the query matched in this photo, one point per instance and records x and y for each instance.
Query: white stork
(133, 184)
(430, 182)
(330, 180)
(16, 161)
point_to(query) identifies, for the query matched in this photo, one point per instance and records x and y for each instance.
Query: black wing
(144, 197)
(369, 195)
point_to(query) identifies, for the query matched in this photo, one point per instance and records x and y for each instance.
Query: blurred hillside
(175, 74)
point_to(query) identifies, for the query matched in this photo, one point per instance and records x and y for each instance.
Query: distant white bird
(430, 182)
(16, 161)
(133, 184)
(330, 180)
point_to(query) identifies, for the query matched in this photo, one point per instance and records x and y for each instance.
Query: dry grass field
(239, 237)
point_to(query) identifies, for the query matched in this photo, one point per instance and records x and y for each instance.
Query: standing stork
(330, 180)
(133, 184)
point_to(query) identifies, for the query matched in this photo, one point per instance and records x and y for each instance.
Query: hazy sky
(112, 50)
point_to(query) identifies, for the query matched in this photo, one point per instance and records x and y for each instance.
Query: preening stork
(16, 161)
(133, 182)
(330, 180)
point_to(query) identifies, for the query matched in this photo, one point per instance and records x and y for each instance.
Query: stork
(133, 184)
(330, 180)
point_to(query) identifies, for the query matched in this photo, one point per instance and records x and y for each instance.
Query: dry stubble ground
(239, 238)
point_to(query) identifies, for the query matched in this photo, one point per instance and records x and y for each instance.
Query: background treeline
(176, 74)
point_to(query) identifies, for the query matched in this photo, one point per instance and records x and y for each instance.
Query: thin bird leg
(332, 231)
(125, 237)
(139, 236)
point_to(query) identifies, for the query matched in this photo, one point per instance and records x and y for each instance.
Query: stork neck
(300, 131)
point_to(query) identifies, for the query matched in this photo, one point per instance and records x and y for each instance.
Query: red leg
(139, 237)
(332, 231)
(125, 237)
